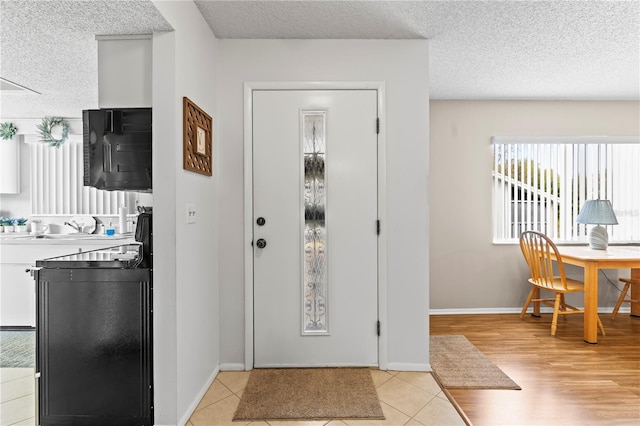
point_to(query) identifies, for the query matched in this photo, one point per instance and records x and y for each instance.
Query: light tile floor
(17, 396)
(407, 398)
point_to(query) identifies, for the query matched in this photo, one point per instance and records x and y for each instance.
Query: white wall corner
(192, 408)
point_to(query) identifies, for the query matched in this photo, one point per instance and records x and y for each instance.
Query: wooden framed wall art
(197, 139)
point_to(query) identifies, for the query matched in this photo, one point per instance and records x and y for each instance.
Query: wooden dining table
(614, 257)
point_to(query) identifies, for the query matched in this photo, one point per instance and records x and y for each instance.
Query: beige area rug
(309, 394)
(457, 363)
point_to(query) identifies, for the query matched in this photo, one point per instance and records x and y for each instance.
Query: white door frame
(249, 87)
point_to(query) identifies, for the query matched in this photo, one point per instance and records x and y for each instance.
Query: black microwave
(117, 148)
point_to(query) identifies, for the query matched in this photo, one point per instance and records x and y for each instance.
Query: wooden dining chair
(540, 253)
(628, 282)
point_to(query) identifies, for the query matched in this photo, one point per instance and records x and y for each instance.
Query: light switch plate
(191, 213)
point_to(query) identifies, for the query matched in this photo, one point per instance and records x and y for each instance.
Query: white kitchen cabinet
(10, 166)
(17, 287)
(17, 295)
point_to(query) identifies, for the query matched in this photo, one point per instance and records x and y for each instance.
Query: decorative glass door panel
(314, 282)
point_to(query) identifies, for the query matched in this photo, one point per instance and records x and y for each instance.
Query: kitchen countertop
(64, 239)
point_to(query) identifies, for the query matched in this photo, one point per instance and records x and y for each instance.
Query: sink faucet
(74, 225)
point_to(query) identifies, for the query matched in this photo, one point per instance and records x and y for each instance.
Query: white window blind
(57, 183)
(541, 183)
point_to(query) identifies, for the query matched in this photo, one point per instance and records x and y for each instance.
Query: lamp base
(598, 238)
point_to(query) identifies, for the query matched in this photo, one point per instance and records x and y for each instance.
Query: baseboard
(481, 311)
(407, 366)
(192, 408)
(231, 366)
(474, 311)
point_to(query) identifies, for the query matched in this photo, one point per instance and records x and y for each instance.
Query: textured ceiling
(478, 49)
(50, 47)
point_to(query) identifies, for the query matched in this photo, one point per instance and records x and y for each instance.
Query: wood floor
(564, 380)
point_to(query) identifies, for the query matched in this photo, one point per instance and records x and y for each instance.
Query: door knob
(261, 243)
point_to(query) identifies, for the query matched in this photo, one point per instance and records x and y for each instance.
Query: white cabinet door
(17, 295)
(10, 166)
(17, 287)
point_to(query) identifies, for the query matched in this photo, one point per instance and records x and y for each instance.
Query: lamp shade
(599, 212)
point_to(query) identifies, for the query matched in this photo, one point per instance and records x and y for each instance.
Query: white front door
(314, 228)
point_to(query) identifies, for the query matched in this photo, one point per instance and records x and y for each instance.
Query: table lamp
(597, 212)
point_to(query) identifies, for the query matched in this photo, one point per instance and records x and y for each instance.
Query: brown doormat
(309, 394)
(459, 364)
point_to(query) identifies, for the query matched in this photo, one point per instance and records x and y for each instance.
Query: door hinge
(377, 125)
(378, 227)
(378, 328)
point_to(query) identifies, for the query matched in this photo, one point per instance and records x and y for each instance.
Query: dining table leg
(591, 303)
(635, 293)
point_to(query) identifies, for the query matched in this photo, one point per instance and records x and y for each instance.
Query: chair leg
(536, 305)
(623, 294)
(601, 327)
(563, 306)
(526, 304)
(556, 308)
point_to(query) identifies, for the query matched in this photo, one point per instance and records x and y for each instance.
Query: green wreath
(8, 130)
(46, 128)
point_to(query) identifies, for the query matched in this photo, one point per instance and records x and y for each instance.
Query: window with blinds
(57, 183)
(541, 183)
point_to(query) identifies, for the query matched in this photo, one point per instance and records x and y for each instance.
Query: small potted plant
(20, 224)
(7, 223)
(8, 130)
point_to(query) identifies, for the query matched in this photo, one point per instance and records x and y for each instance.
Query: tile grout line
(412, 418)
(18, 397)
(30, 375)
(20, 421)
(417, 387)
(214, 402)
(422, 408)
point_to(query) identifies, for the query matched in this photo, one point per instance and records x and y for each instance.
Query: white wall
(186, 329)
(467, 270)
(124, 67)
(403, 66)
